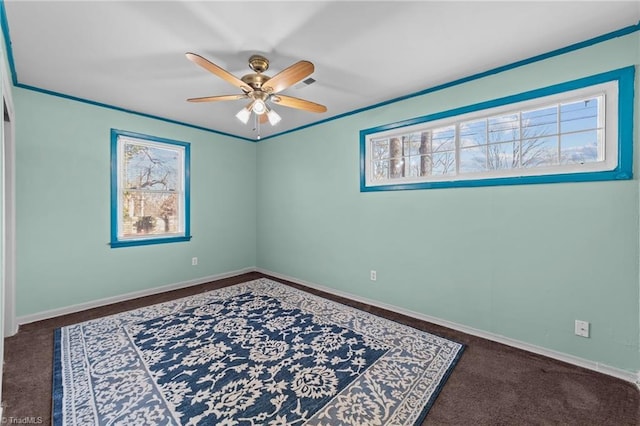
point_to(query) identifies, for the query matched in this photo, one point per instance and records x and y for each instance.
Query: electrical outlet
(582, 328)
(194, 261)
(373, 275)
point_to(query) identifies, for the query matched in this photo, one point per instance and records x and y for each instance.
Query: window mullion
(520, 139)
(486, 142)
(558, 132)
(456, 146)
(602, 105)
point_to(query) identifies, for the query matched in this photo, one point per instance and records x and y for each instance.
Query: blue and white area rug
(256, 353)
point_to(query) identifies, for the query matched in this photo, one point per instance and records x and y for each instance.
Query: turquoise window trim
(129, 242)
(625, 77)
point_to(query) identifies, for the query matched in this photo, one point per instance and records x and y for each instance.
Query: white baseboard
(630, 376)
(26, 319)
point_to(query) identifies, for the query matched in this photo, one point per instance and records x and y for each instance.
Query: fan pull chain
(256, 125)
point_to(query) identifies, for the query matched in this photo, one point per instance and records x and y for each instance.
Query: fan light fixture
(273, 117)
(259, 106)
(243, 115)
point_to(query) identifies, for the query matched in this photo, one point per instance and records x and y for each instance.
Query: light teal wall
(519, 261)
(63, 210)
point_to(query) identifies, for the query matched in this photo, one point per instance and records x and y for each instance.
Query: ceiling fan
(260, 88)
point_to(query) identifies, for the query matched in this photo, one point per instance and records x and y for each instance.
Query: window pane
(149, 213)
(380, 149)
(540, 122)
(426, 165)
(577, 116)
(540, 152)
(396, 168)
(411, 144)
(147, 167)
(414, 166)
(579, 148)
(473, 159)
(503, 156)
(443, 139)
(444, 163)
(380, 170)
(473, 133)
(426, 144)
(504, 129)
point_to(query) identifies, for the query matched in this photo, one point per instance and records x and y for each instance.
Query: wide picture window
(575, 131)
(149, 190)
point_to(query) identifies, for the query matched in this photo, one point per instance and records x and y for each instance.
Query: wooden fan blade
(288, 77)
(220, 72)
(217, 98)
(291, 102)
(263, 118)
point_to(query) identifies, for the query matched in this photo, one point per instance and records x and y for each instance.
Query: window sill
(148, 241)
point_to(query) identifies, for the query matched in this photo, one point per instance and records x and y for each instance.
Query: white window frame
(609, 148)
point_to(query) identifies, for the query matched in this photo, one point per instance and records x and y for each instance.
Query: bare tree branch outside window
(150, 199)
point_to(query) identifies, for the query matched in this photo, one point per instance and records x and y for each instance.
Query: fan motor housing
(255, 81)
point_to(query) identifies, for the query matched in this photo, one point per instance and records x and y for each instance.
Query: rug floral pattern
(257, 353)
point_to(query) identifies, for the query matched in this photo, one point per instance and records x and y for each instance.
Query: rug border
(445, 378)
(56, 409)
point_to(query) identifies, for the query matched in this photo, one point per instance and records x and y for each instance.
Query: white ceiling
(130, 54)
